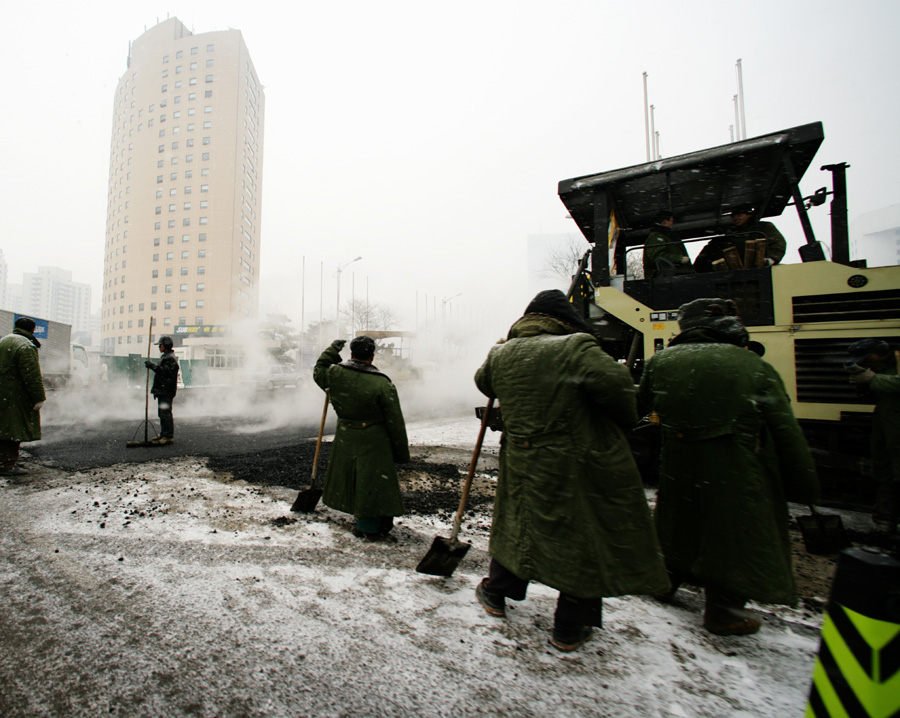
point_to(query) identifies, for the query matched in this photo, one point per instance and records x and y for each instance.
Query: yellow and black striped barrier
(857, 671)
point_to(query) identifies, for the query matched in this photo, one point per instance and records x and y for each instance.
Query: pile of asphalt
(427, 488)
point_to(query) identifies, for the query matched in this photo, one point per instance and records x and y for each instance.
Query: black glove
(338, 344)
(149, 364)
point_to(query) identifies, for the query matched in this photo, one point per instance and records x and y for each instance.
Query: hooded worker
(21, 393)
(570, 509)
(370, 438)
(732, 456)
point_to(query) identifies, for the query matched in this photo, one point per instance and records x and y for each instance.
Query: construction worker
(370, 438)
(165, 386)
(21, 394)
(880, 377)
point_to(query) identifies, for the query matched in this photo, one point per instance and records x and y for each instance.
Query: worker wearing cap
(664, 254)
(165, 386)
(880, 377)
(743, 221)
(21, 393)
(370, 438)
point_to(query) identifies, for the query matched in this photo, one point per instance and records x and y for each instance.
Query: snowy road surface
(163, 589)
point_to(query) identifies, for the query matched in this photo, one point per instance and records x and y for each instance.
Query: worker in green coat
(732, 456)
(879, 376)
(570, 509)
(370, 438)
(664, 254)
(21, 393)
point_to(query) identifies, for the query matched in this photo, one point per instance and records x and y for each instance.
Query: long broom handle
(147, 388)
(457, 522)
(319, 441)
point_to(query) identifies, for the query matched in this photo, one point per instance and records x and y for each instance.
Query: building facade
(51, 294)
(185, 188)
(875, 236)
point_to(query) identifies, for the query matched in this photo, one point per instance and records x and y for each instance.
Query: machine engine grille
(847, 306)
(821, 377)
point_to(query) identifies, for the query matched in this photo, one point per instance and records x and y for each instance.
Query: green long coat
(660, 244)
(885, 387)
(732, 454)
(570, 509)
(370, 437)
(21, 387)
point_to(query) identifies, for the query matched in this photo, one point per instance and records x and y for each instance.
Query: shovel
(823, 533)
(146, 442)
(445, 554)
(308, 498)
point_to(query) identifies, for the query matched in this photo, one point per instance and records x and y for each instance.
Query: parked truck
(62, 363)
(803, 315)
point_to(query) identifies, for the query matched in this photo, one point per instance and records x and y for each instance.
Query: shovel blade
(306, 501)
(823, 534)
(443, 557)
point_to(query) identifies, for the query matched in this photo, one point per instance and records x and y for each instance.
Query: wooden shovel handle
(319, 441)
(457, 522)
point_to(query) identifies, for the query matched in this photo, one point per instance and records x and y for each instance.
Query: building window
(155, 257)
(209, 78)
(202, 238)
(168, 289)
(204, 188)
(152, 306)
(168, 271)
(203, 220)
(186, 222)
(201, 253)
(200, 303)
(167, 305)
(201, 270)
(187, 205)
(184, 271)
(170, 255)
(204, 203)
(182, 287)
(206, 140)
(205, 156)
(182, 304)
(192, 81)
(153, 289)
(185, 238)
(165, 88)
(185, 254)
(154, 274)
(167, 322)
(201, 286)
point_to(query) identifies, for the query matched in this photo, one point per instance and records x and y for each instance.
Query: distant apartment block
(51, 294)
(185, 188)
(875, 236)
(4, 283)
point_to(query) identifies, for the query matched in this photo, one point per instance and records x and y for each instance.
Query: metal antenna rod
(646, 118)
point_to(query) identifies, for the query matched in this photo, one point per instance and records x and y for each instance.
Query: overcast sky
(429, 138)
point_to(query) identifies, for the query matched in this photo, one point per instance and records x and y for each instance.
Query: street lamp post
(341, 268)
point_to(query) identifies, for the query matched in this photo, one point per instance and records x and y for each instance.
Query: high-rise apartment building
(51, 294)
(185, 188)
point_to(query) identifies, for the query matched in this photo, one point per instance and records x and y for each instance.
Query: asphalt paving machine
(804, 315)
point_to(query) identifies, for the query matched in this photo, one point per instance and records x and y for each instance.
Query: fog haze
(429, 139)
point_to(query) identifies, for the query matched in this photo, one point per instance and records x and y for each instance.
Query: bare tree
(368, 316)
(562, 260)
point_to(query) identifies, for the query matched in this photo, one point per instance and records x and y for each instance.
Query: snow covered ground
(164, 589)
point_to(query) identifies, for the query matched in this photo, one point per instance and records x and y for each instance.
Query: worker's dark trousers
(9, 454)
(164, 411)
(571, 612)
